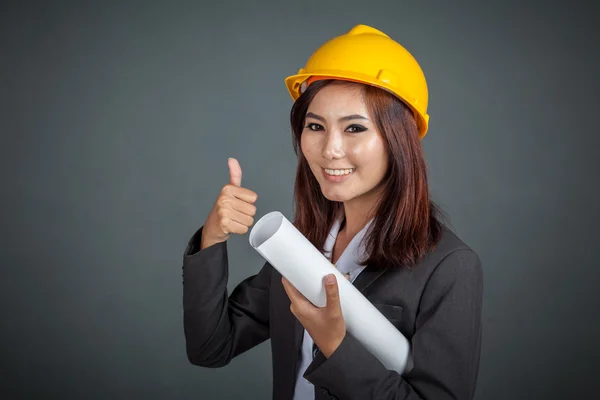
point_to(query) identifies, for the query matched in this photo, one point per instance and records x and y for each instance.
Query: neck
(357, 213)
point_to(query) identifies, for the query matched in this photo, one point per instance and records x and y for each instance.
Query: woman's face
(344, 149)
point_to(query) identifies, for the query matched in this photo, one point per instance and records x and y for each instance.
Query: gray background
(117, 121)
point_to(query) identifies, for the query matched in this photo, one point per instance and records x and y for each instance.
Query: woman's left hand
(324, 324)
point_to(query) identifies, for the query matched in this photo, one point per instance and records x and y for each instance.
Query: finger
(333, 294)
(291, 291)
(235, 172)
(347, 276)
(230, 226)
(241, 218)
(240, 193)
(243, 207)
(294, 294)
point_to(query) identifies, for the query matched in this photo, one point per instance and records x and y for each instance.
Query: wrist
(330, 348)
(207, 240)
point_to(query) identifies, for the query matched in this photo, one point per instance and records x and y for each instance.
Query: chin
(336, 196)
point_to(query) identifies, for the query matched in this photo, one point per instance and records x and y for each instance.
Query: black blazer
(436, 305)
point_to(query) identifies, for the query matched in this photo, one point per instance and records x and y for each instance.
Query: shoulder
(451, 260)
(449, 245)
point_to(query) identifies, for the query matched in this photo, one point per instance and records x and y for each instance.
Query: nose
(334, 146)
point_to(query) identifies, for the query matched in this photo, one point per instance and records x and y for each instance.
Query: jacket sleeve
(445, 346)
(219, 327)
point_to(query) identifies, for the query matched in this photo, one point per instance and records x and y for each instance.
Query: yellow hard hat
(369, 56)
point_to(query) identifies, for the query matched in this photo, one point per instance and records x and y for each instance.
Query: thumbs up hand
(233, 212)
(235, 172)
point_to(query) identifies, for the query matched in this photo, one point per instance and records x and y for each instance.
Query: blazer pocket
(390, 311)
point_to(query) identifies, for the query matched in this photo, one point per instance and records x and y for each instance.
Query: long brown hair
(406, 221)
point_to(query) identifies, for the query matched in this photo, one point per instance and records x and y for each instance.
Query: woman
(361, 196)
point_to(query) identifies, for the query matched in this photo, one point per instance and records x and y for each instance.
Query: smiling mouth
(337, 175)
(339, 172)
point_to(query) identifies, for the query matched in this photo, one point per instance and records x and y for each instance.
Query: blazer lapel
(368, 275)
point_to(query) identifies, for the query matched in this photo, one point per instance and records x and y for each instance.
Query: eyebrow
(346, 118)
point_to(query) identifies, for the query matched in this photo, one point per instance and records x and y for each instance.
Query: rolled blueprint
(295, 257)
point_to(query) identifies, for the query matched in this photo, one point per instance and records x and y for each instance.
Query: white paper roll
(294, 256)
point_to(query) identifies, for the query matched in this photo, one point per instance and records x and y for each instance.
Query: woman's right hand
(233, 211)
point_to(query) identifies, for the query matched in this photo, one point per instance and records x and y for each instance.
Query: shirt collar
(355, 252)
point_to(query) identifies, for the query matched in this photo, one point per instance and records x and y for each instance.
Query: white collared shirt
(347, 263)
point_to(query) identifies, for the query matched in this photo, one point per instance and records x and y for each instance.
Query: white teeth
(338, 171)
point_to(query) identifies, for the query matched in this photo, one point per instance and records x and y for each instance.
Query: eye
(356, 128)
(314, 127)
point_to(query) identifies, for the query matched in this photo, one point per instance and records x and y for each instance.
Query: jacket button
(328, 393)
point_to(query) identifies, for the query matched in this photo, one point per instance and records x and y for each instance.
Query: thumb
(332, 293)
(235, 172)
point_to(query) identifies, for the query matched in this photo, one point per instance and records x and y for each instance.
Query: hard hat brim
(294, 86)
